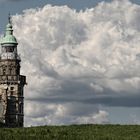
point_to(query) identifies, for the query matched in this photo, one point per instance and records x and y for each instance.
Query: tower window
(12, 88)
(4, 71)
(10, 69)
(9, 49)
(12, 92)
(21, 108)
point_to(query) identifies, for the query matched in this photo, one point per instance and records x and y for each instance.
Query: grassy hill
(73, 132)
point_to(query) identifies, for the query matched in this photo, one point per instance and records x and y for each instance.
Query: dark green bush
(73, 132)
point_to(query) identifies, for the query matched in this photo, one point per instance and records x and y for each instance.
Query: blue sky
(119, 107)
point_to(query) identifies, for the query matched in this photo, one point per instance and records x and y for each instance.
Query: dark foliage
(73, 132)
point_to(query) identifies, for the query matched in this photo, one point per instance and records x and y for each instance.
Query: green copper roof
(9, 38)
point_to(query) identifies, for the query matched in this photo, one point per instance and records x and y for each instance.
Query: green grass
(73, 132)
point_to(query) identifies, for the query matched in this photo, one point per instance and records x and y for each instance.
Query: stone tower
(11, 82)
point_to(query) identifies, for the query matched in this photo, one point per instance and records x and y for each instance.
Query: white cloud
(135, 119)
(98, 118)
(72, 56)
(38, 113)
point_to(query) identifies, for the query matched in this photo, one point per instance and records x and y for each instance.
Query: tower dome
(9, 38)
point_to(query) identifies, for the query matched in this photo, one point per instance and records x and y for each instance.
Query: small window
(12, 88)
(10, 69)
(4, 71)
(21, 108)
(12, 93)
(9, 49)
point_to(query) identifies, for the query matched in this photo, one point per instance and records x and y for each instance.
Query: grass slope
(73, 132)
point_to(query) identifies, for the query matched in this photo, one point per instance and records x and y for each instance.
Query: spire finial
(9, 18)
(9, 27)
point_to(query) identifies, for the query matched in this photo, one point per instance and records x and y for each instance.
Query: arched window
(20, 107)
(10, 70)
(4, 71)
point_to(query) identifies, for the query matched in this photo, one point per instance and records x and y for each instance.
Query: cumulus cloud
(60, 114)
(81, 58)
(135, 119)
(99, 118)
